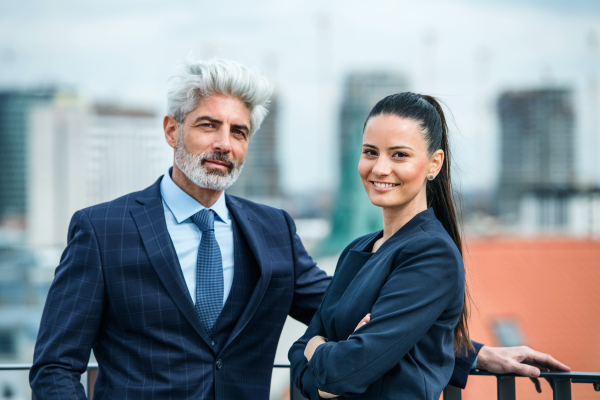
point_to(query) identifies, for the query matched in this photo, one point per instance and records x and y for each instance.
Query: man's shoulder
(251, 206)
(118, 207)
(257, 211)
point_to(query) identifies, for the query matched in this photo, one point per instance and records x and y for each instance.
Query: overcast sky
(464, 51)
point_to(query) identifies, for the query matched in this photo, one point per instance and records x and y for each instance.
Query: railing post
(294, 392)
(452, 393)
(88, 384)
(506, 388)
(562, 389)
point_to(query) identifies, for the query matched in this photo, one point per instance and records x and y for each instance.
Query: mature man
(180, 290)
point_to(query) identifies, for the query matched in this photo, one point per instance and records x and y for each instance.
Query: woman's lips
(384, 186)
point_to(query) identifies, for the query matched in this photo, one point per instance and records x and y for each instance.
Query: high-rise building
(537, 145)
(259, 181)
(353, 213)
(82, 155)
(14, 127)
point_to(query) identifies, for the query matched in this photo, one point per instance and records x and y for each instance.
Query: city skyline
(126, 51)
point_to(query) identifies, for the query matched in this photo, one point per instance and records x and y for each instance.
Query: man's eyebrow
(218, 121)
(241, 127)
(208, 118)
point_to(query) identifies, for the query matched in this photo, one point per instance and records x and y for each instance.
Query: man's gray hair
(200, 79)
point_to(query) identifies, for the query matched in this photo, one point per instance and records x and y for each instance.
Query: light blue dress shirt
(186, 235)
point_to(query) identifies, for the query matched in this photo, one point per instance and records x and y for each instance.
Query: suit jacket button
(212, 342)
(219, 364)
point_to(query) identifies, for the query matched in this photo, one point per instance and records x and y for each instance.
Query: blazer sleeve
(71, 317)
(310, 282)
(302, 377)
(423, 281)
(462, 366)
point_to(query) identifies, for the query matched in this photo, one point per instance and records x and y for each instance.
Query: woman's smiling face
(394, 163)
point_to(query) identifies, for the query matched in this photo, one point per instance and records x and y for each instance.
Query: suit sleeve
(71, 317)
(462, 366)
(423, 281)
(310, 282)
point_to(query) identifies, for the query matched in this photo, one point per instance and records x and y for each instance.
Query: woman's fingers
(363, 321)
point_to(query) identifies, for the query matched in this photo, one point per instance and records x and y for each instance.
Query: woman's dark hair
(427, 111)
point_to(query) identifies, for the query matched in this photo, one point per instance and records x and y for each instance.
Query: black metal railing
(559, 381)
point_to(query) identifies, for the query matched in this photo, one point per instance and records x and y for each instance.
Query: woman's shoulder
(358, 244)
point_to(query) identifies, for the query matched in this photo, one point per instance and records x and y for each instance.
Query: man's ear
(170, 127)
(436, 161)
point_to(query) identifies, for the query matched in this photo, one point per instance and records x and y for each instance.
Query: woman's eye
(399, 154)
(370, 153)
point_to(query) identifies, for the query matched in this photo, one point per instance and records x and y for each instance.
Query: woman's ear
(435, 162)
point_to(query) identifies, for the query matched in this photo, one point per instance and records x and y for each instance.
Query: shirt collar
(183, 206)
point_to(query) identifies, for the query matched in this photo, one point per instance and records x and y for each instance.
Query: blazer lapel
(149, 218)
(251, 231)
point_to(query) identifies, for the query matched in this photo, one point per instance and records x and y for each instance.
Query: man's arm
(310, 282)
(71, 317)
(462, 366)
(503, 360)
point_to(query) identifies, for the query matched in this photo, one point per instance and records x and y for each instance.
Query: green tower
(353, 213)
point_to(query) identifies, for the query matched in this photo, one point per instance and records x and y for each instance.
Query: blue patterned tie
(209, 271)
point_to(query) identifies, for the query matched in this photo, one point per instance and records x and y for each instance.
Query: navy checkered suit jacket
(119, 290)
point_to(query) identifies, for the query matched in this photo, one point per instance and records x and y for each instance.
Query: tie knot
(205, 219)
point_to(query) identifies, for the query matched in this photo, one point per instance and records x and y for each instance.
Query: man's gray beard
(191, 166)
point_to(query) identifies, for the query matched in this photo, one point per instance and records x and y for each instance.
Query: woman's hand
(316, 341)
(362, 322)
(312, 345)
(309, 350)
(326, 395)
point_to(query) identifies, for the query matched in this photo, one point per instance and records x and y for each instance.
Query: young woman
(395, 312)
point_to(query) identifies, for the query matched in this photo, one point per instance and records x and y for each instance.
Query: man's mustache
(221, 157)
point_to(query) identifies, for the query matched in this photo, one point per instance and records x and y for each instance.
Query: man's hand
(518, 360)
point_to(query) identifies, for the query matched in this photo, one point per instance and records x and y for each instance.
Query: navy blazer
(119, 289)
(413, 286)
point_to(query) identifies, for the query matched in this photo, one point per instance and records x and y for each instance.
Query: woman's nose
(382, 167)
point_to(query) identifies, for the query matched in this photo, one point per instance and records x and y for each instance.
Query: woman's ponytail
(428, 112)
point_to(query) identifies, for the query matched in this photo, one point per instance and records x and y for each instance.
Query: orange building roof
(551, 289)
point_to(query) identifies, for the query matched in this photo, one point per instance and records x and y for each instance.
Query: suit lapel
(149, 218)
(252, 232)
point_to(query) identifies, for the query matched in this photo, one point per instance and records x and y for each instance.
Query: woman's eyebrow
(400, 148)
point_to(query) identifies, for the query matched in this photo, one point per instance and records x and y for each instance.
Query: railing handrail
(560, 381)
(592, 376)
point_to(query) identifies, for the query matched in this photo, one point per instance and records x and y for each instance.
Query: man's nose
(222, 140)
